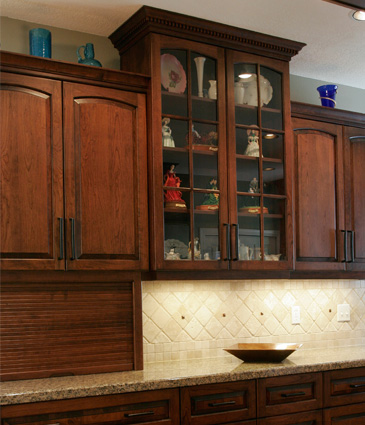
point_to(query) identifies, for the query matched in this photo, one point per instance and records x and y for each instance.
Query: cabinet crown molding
(149, 19)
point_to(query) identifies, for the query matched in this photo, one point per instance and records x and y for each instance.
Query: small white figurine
(167, 139)
(253, 143)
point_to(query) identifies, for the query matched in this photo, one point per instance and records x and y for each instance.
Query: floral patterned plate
(173, 77)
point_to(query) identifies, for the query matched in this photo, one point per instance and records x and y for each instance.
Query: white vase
(212, 92)
(199, 62)
(239, 92)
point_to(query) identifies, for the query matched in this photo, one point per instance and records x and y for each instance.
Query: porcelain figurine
(253, 143)
(167, 139)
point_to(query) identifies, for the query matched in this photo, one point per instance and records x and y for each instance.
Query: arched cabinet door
(319, 196)
(31, 173)
(105, 178)
(354, 148)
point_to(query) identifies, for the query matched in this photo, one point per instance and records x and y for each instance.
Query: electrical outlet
(343, 313)
(295, 315)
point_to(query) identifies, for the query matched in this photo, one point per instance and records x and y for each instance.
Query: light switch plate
(295, 315)
(343, 313)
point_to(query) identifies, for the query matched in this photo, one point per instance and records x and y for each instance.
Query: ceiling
(335, 51)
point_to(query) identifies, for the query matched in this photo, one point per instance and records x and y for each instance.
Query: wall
(185, 320)
(14, 38)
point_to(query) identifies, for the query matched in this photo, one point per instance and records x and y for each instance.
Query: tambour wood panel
(31, 172)
(106, 178)
(69, 328)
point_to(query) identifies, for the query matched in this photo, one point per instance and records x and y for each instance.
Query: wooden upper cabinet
(214, 204)
(354, 148)
(31, 173)
(319, 195)
(73, 167)
(329, 147)
(106, 185)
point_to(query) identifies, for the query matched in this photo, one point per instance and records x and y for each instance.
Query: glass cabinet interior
(191, 147)
(259, 162)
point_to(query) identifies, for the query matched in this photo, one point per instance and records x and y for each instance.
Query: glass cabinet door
(257, 133)
(192, 151)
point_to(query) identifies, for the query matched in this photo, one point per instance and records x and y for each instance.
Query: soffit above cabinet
(149, 19)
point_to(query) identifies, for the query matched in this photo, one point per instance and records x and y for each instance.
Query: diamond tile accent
(187, 320)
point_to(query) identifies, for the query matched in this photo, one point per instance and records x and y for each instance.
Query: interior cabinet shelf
(245, 214)
(254, 158)
(263, 108)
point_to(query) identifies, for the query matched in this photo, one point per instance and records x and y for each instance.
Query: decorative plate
(262, 352)
(250, 91)
(173, 77)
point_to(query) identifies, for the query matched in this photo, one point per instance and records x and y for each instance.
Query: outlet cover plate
(343, 313)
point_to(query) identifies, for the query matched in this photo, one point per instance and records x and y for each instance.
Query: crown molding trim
(152, 20)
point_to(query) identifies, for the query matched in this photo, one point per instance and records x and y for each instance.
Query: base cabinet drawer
(289, 394)
(344, 387)
(218, 403)
(353, 414)
(154, 407)
(305, 418)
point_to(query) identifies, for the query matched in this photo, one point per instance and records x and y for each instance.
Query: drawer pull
(222, 403)
(357, 385)
(132, 415)
(293, 394)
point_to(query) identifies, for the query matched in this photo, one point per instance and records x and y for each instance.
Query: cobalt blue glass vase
(40, 42)
(328, 94)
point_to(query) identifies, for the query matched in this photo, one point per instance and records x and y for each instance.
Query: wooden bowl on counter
(262, 352)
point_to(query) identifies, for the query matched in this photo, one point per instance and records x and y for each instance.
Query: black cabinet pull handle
(60, 257)
(237, 245)
(222, 403)
(132, 415)
(293, 394)
(228, 242)
(352, 233)
(344, 245)
(357, 385)
(73, 241)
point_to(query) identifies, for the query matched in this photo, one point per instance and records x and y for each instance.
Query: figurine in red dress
(173, 198)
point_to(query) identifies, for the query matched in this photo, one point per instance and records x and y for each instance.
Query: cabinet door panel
(106, 206)
(355, 193)
(352, 414)
(289, 394)
(319, 195)
(259, 163)
(31, 172)
(148, 407)
(304, 418)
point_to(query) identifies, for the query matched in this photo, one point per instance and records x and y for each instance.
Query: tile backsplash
(197, 319)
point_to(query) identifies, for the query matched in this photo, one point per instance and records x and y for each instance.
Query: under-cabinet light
(270, 136)
(359, 15)
(245, 76)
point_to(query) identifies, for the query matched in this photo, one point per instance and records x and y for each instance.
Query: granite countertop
(178, 374)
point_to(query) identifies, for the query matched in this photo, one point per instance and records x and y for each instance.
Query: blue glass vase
(328, 94)
(40, 42)
(88, 55)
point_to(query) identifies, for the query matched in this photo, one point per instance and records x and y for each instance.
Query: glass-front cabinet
(191, 171)
(223, 184)
(220, 141)
(259, 183)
